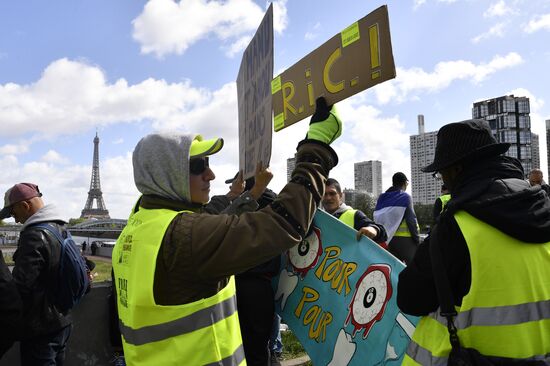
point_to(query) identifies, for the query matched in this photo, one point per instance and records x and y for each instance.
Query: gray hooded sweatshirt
(161, 166)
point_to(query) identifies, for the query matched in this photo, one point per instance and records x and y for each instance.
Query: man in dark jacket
(10, 308)
(493, 239)
(45, 330)
(333, 203)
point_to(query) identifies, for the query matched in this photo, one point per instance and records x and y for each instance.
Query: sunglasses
(198, 166)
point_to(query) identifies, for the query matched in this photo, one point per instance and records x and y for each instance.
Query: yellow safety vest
(444, 199)
(204, 332)
(506, 313)
(403, 230)
(348, 217)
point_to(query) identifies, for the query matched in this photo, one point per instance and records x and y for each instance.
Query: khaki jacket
(200, 251)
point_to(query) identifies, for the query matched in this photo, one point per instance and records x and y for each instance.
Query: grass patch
(102, 271)
(8, 259)
(292, 348)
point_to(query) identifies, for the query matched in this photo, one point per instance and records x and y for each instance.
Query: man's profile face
(199, 182)
(535, 178)
(332, 199)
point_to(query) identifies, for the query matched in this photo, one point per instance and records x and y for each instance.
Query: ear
(26, 205)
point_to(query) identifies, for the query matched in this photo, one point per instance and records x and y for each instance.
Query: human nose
(209, 174)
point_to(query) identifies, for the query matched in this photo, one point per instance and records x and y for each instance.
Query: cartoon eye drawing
(305, 255)
(372, 292)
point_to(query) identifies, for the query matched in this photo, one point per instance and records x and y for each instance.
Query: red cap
(17, 193)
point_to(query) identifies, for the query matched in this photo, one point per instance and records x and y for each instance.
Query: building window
(524, 122)
(523, 105)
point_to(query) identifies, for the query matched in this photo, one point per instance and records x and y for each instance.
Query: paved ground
(295, 361)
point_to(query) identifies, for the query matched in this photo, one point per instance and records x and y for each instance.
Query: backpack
(71, 279)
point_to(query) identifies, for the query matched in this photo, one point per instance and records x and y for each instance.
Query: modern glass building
(509, 119)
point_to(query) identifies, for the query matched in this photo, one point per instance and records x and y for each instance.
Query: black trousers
(403, 247)
(256, 308)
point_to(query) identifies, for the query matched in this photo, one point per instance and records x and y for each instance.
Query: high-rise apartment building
(290, 165)
(425, 188)
(535, 151)
(509, 119)
(368, 177)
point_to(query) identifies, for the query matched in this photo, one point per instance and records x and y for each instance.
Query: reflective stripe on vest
(200, 319)
(506, 313)
(444, 199)
(403, 230)
(199, 333)
(348, 217)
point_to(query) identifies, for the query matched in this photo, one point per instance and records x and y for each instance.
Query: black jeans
(256, 308)
(46, 350)
(403, 247)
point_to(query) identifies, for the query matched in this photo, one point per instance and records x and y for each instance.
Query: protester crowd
(192, 275)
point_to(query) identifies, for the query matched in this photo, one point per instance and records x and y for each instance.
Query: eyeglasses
(197, 166)
(437, 175)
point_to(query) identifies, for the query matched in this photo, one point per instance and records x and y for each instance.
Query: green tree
(366, 203)
(75, 221)
(424, 215)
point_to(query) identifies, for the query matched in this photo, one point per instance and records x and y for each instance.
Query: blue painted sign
(338, 295)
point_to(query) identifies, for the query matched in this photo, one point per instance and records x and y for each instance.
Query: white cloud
(280, 16)
(167, 26)
(497, 9)
(361, 140)
(53, 157)
(418, 3)
(312, 33)
(496, 30)
(14, 149)
(238, 46)
(73, 96)
(118, 141)
(410, 82)
(69, 191)
(537, 23)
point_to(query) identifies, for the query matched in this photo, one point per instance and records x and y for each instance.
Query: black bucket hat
(464, 141)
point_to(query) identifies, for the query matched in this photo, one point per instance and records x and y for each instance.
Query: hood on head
(161, 165)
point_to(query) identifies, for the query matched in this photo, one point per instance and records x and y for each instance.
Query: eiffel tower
(95, 191)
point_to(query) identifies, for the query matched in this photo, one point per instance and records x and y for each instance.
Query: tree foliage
(424, 215)
(75, 221)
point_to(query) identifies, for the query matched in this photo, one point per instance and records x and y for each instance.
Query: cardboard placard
(254, 98)
(356, 59)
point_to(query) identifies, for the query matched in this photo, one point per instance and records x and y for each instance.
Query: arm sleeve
(222, 204)
(412, 222)
(223, 245)
(361, 220)
(416, 293)
(30, 260)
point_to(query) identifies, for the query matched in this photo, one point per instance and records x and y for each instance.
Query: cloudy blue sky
(126, 68)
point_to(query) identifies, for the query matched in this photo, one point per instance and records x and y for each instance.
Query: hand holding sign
(325, 125)
(262, 177)
(357, 58)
